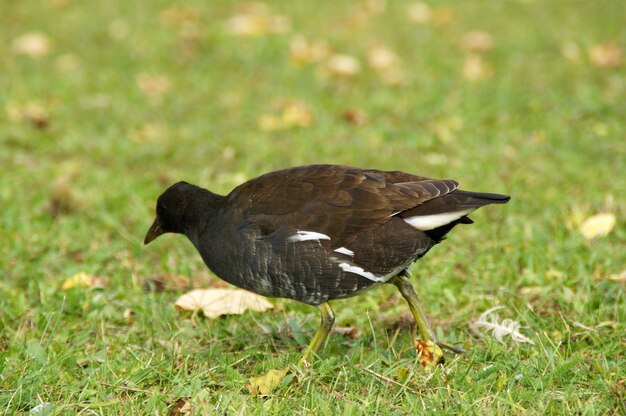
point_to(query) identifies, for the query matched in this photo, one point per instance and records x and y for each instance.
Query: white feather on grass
(485, 323)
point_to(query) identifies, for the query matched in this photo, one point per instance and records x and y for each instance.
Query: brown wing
(337, 201)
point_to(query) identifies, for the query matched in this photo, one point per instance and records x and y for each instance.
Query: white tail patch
(306, 236)
(430, 222)
(359, 270)
(345, 251)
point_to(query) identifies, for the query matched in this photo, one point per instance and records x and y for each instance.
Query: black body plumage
(316, 233)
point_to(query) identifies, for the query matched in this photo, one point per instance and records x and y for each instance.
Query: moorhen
(320, 232)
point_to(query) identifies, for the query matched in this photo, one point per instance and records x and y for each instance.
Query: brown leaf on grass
(129, 316)
(292, 114)
(419, 12)
(443, 16)
(351, 332)
(429, 353)
(150, 133)
(256, 19)
(179, 16)
(475, 69)
(384, 61)
(85, 281)
(605, 55)
(62, 198)
(363, 12)
(303, 51)
(180, 407)
(381, 58)
(599, 225)
(477, 41)
(343, 66)
(153, 86)
(618, 277)
(32, 112)
(167, 282)
(32, 44)
(400, 322)
(218, 302)
(356, 117)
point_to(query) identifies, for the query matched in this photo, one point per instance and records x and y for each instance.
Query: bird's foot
(266, 384)
(456, 350)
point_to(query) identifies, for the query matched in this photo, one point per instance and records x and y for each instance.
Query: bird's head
(175, 210)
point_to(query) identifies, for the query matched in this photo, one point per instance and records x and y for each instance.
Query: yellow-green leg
(326, 325)
(427, 334)
(267, 383)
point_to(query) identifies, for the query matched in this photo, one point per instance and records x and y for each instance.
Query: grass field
(104, 104)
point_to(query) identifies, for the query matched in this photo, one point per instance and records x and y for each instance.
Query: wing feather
(338, 201)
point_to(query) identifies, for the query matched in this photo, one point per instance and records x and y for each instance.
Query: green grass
(79, 183)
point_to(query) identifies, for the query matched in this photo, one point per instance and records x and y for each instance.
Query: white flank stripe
(358, 270)
(345, 251)
(306, 236)
(430, 222)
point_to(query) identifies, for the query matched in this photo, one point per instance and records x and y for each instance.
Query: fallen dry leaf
(84, 280)
(179, 16)
(419, 12)
(555, 274)
(384, 61)
(180, 407)
(218, 302)
(429, 353)
(477, 41)
(443, 16)
(605, 55)
(381, 58)
(363, 12)
(599, 225)
(63, 198)
(167, 282)
(294, 114)
(153, 86)
(304, 51)
(618, 277)
(150, 133)
(264, 385)
(474, 68)
(33, 44)
(351, 332)
(256, 20)
(356, 117)
(129, 316)
(32, 112)
(343, 66)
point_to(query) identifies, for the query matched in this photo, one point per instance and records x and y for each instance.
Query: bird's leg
(326, 325)
(427, 334)
(267, 383)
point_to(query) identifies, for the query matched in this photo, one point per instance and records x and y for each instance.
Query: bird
(321, 232)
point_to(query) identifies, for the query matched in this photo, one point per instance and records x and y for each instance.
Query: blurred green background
(104, 104)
